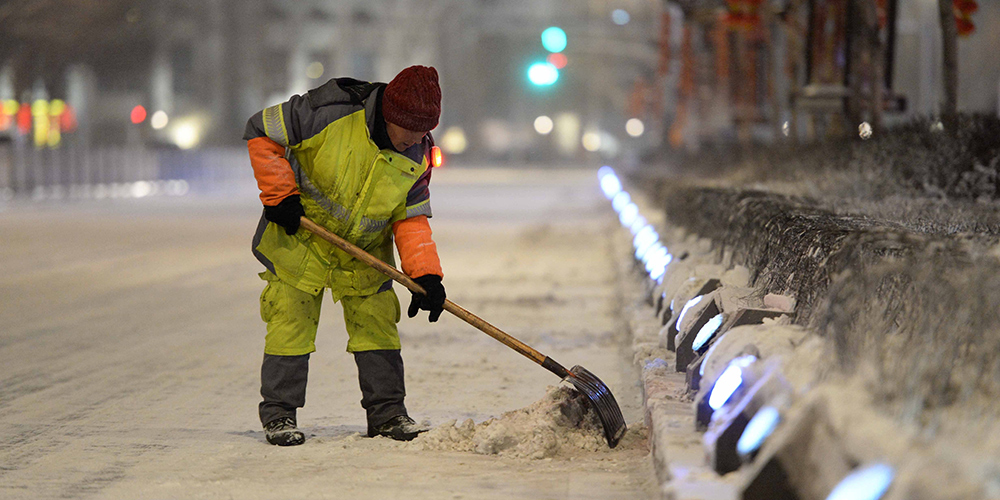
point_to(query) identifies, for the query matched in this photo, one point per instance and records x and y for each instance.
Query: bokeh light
(591, 141)
(314, 70)
(634, 127)
(159, 120)
(543, 74)
(620, 200)
(620, 17)
(554, 39)
(138, 114)
(453, 141)
(543, 125)
(558, 60)
(186, 135)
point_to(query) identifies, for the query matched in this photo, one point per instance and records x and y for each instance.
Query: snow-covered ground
(131, 342)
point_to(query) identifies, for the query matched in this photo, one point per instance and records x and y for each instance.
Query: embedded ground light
(706, 332)
(758, 429)
(660, 268)
(655, 257)
(644, 256)
(687, 307)
(620, 200)
(730, 380)
(646, 236)
(611, 186)
(628, 214)
(643, 247)
(869, 482)
(639, 223)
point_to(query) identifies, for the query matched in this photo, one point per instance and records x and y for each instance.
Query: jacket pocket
(287, 252)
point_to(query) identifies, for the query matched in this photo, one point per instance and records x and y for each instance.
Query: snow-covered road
(130, 347)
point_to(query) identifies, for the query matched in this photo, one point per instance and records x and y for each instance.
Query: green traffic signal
(543, 74)
(554, 39)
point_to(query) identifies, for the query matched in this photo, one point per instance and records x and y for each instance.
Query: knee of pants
(371, 321)
(292, 317)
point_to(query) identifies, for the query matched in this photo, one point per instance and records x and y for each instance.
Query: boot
(282, 432)
(382, 392)
(400, 428)
(282, 386)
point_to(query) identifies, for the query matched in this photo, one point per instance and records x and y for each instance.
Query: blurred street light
(634, 127)
(314, 70)
(620, 17)
(543, 125)
(453, 141)
(567, 133)
(186, 135)
(57, 107)
(591, 141)
(159, 120)
(40, 114)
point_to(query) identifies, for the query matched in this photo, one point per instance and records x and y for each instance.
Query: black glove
(286, 214)
(433, 301)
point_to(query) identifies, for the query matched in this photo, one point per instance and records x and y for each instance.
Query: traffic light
(543, 74)
(554, 39)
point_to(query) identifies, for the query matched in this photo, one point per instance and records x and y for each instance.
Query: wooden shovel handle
(449, 306)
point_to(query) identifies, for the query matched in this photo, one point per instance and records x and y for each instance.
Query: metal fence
(78, 171)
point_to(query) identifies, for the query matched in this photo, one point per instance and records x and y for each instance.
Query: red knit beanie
(412, 100)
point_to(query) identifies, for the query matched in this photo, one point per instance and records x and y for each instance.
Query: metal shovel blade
(603, 402)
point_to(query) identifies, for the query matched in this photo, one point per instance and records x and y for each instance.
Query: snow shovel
(597, 393)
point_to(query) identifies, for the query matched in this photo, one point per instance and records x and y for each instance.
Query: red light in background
(6, 116)
(24, 118)
(67, 120)
(558, 60)
(138, 114)
(437, 157)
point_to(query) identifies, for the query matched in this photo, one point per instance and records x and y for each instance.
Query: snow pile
(558, 424)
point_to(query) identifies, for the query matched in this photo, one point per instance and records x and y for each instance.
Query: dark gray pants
(380, 374)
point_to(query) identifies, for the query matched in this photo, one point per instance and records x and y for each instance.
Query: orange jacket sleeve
(273, 172)
(417, 250)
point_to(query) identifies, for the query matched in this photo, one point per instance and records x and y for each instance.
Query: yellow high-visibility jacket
(320, 145)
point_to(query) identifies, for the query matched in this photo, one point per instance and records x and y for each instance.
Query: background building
(112, 91)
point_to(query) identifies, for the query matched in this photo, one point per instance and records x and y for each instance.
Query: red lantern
(24, 118)
(963, 16)
(67, 120)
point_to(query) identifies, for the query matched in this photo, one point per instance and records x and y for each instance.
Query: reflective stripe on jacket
(347, 184)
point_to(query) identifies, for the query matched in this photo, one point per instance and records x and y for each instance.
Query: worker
(354, 157)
